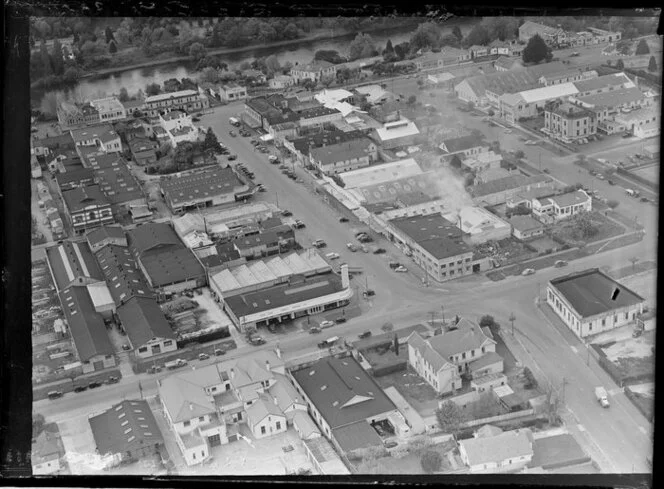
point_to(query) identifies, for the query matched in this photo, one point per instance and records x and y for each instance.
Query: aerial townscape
(338, 246)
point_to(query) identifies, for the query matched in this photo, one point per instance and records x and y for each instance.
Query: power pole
(512, 318)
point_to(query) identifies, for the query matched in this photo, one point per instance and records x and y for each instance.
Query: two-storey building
(562, 206)
(187, 100)
(568, 122)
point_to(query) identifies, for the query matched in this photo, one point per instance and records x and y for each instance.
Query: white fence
(496, 419)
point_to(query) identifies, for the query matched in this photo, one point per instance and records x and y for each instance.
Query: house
(88, 332)
(72, 263)
(187, 100)
(480, 163)
(447, 56)
(499, 47)
(526, 227)
(110, 109)
(174, 119)
(47, 453)
(562, 206)
(146, 326)
(344, 400)
(434, 243)
(280, 82)
(314, 71)
(396, 134)
(87, 207)
(508, 64)
(342, 157)
(478, 51)
(480, 225)
(567, 76)
(263, 244)
(551, 35)
(590, 302)
(35, 169)
(442, 359)
(167, 264)
(464, 146)
(126, 432)
(265, 418)
(201, 189)
(510, 451)
(568, 122)
(102, 137)
(302, 146)
(143, 150)
(231, 92)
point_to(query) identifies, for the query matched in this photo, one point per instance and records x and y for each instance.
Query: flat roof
(71, 260)
(509, 444)
(201, 185)
(348, 150)
(357, 436)
(107, 104)
(397, 129)
(557, 451)
(434, 233)
(105, 132)
(104, 232)
(170, 95)
(592, 292)
(119, 184)
(342, 391)
(385, 172)
(172, 266)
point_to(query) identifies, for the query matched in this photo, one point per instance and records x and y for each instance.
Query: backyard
(406, 459)
(633, 358)
(589, 227)
(414, 388)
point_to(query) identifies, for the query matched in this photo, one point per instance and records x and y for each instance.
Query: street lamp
(512, 318)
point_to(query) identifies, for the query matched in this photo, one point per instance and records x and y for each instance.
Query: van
(630, 192)
(234, 121)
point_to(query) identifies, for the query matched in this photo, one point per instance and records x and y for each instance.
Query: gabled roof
(188, 223)
(152, 236)
(488, 430)
(342, 391)
(356, 436)
(105, 232)
(468, 336)
(143, 320)
(606, 81)
(304, 424)
(263, 408)
(47, 446)
(184, 399)
(123, 276)
(455, 145)
(75, 177)
(70, 261)
(349, 150)
(204, 184)
(85, 324)
(576, 197)
(509, 444)
(103, 132)
(127, 426)
(525, 223)
(79, 198)
(284, 392)
(430, 355)
(174, 95)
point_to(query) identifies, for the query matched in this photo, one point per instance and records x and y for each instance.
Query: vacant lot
(644, 284)
(570, 230)
(410, 463)
(640, 347)
(651, 173)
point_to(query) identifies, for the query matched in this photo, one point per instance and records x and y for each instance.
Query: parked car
(600, 176)
(575, 54)
(219, 351)
(644, 199)
(126, 347)
(340, 320)
(401, 269)
(232, 133)
(256, 340)
(112, 380)
(507, 131)
(627, 135)
(203, 356)
(314, 330)
(254, 142)
(366, 334)
(326, 324)
(610, 182)
(379, 429)
(54, 395)
(81, 388)
(379, 251)
(343, 219)
(332, 256)
(528, 271)
(319, 243)
(299, 224)
(232, 157)
(560, 263)
(262, 149)
(369, 293)
(394, 265)
(351, 247)
(286, 213)
(391, 444)
(94, 384)
(637, 332)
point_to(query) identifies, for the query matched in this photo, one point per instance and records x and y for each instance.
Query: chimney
(267, 365)
(345, 280)
(276, 403)
(232, 373)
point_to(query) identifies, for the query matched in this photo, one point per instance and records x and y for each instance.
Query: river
(300, 52)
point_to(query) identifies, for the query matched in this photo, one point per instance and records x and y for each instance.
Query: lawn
(636, 366)
(569, 230)
(645, 404)
(409, 464)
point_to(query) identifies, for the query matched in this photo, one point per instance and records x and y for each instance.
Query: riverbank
(320, 36)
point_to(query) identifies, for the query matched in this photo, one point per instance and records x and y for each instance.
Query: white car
(351, 247)
(332, 256)
(326, 324)
(528, 271)
(508, 131)
(401, 269)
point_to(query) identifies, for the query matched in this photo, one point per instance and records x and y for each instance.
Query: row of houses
(558, 37)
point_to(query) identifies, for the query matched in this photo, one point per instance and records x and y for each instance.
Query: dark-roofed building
(105, 235)
(343, 399)
(87, 328)
(123, 276)
(435, 244)
(72, 263)
(47, 145)
(75, 178)
(143, 150)
(207, 188)
(297, 298)
(102, 136)
(464, 146)
(265, 243)
(590, 302)
(318, 116)
(147, 327)
(302, 146)
(562, 206)
(87, 207)
(342, 157)
(168, 265)
(501, 190)
(526, 227)
(127, 432)
(47, 453)
(120, 186)
(442, 359)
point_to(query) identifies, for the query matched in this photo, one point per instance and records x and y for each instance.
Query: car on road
(366, 334)
(391, 444)
(292, 176)
(644, 199)
(351, 247)
(340, 320)
(507, 131)
(283, 167)
(195, 119)
(560, 263)
(244, 133)
(231, 157)
(369, 293)
(528, 271)
(610, 182)
(262, 149)
(261, 188)
(286, 213)
(54, 395)
(112, 380)
(319, 243)
(343, 219)
(332, 256)
(379, 251)
(401, 269)
(254, 142)
(575, 54)
(81, 388)
(285, 171)
(314, 330)
(218, 352)
(94, 384)
(256, 340)
(326, 324)
(232, 133)
(600, 176)
(203, 356)
(299, 224)
(273, 159)
(626, 135)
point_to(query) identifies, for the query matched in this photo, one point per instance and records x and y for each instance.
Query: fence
(499, 418)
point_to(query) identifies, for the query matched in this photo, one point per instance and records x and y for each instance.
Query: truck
(602, 396)
(632, 193)
(175, 364)
(328, 342)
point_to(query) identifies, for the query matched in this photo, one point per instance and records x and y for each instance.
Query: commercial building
(280, 82)
(302, 146)
(314, 71)
(499, 191)
(643, 123)
(146, 326)
(528, 103)
(110, 109)
(382, 173)
(526, 227)
(187, 100)
(609, 105)
(122, 273)
(603, 84)
(105, 235)
(166, 263)
(480, 225)
(482, 162)
(435, 244)
(345, 402)
(464, 146)
(508, 64)
(510, 451)
(87, 328)
(87, 207)
(317, 117)
(374, 94)
(126, 432)
(120, 186)
(72, 115)
(206, 188)
(590, 302)
(442, 359)
(73, 178)
(298, 297)
(343, 157)
(567, 76)
(562, 206)
(102, 138)
(232, 92)
(143, 150)
(568, 122)
(396, 134)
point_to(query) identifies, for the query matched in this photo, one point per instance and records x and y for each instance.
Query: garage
(214, 440)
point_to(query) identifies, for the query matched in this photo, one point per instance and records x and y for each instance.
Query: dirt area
(640, 347)
(651, 173)
(645, 389)
(414, 388)
(569, 230)
(544, 243)
(505, 252)
(410, 463)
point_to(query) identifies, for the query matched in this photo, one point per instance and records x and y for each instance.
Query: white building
(110, 109)
(561, 206)
(510, 451)
(280, 82)
(480, 224)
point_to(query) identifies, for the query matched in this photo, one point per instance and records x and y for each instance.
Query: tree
(152, 89)
(536, 50)
(652, 64)
(431, 461)
(209, 75)
(519, 154)
(620, 65)
(478, 35)
(272, 64)
(124, 95)
(642, 48)
(389, 49)
(456, 32)
(57, 59)
(291, 31)
(387, 327)
(531, 381)
(38, 422)
(449, 40)
(488, 321)
(396, 344)
(427, 35)
(109, 35)
(613, 204)
(211, 142)
(449, 417)
(329, 55)
(411, 100)
(112, 48)
(402, 50)
(624, 47)
(361, 47)
(197, 51)
(584, 225)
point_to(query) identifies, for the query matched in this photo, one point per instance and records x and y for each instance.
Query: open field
(650, 173)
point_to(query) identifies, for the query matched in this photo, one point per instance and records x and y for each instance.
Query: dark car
(611, 182)
(232, 157)
(218, 352)
(644, 199)
(369, 293)
(80, 388)
(340, 320)
(55, 395)
(286, 213)
(343, 219)
(366, 334)
(94, 385)
(314, 330)
(112, 380)
(627, 135)
(379, 251)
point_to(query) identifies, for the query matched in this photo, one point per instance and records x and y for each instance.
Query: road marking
(574, 349)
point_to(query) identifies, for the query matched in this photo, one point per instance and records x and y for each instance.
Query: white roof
(243, 212)
(475, 220)
(196, 239)
(381, 173)
(332, 95)
(372, 92)
(503, 390)
(107, 104)
(166, 96)
(397, 129)
(510, 444)
(100, 294)
(547, 93)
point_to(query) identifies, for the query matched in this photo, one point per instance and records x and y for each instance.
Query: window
(168, 342)
(262, 430)
(626, 316)
(143, 349)
(278, 425)
(615, 318)
(603, 322)
(463, 355)
(201, 419)
(194, 455)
